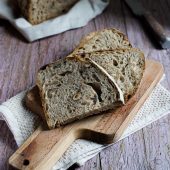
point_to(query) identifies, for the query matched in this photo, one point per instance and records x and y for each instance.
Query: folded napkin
(81, 13)
(23, 123)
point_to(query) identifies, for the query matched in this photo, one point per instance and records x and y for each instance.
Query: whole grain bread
(107, 39)
(75, 88)
(38, 11)
(102, 73)
(71, 90)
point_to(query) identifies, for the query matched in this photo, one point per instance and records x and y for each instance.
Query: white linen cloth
(23, 123)
(78, 16)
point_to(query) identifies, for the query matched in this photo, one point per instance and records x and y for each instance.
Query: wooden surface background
(148, 148)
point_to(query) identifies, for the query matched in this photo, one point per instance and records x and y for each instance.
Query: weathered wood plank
(157, 144)
(19, 61)
(146, 149)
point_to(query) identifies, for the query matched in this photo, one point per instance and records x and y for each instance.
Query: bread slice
(38, 11)
(107, 39)
(72, 90)
(126, 66)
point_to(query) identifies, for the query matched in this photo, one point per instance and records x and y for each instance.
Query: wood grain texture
(19, 61)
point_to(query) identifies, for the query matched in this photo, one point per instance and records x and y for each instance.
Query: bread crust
(41, 93)
(91, 35)
(27, 10)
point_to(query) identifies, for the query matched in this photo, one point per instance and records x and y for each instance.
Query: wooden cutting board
(45, 147)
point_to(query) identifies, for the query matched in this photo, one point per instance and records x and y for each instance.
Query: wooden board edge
(24, 145)
(137, 107)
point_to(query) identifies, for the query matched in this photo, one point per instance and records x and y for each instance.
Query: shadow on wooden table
(73, 167)
(11, 30)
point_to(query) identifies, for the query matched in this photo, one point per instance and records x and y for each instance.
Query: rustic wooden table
(148, 148)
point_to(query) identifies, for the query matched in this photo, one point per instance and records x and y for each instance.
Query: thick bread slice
(107, 39)
(37, 11)
(126, 66)
(71, 90)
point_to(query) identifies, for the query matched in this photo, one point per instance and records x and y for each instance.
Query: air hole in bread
(129, 96)
(123, 71)
(77, 96)
(96, 78)
(83, 55)
(96, 87)
(115, 63)
(82, 48)
(65, 73)
(44, 67)
(134, 83)
(122, 79)
(81, 72)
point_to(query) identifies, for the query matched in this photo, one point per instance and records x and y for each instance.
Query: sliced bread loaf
(36, 11)
(107, 39)
(71, 90)
(81, 86)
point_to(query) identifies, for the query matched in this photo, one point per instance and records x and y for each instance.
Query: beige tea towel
(74, 18)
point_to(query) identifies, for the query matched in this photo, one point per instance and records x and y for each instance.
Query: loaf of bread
(102, 73)
(107, 39)
(37, 11)
(85, 85)
(71, 90)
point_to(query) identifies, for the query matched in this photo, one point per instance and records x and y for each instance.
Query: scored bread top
(107, 39)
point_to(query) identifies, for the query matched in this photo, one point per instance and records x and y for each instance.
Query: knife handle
(158, 30)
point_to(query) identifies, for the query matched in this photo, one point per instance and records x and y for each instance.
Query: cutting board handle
(49, 144)
(54, 145)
